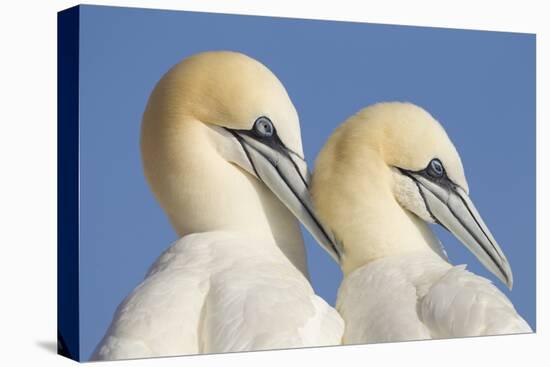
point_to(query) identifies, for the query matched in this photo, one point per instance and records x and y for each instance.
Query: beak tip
(508, 278)
(510, 282)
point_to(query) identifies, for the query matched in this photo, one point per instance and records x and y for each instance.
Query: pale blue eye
(263, 127)
(435, 168)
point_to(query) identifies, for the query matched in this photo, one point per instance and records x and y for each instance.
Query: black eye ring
(263, 127)
(435, 168)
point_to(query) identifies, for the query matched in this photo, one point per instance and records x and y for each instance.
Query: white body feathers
(219, 292)
(420, 296)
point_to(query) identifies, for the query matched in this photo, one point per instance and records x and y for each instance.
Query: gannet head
(414, 162)
(225, 105)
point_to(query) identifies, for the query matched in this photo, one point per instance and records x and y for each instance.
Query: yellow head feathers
(401, 134)
(223, 88)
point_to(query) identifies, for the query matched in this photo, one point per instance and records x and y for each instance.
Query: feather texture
(421, 296)
(219, 292)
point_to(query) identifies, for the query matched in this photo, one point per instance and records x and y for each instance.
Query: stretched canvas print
(238, 183)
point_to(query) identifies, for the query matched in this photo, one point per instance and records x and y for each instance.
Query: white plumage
(219, 292)
(381, 178)
(419, 296)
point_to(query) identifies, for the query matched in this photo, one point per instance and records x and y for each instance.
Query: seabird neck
(201, 192)
(379, 227)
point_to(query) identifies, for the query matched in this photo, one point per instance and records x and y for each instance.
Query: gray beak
(285, 174)
(451, 207)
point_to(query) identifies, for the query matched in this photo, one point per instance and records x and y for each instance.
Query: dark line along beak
(288, 179)
(452, 208)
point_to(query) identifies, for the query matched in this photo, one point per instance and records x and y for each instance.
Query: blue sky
(479, 85)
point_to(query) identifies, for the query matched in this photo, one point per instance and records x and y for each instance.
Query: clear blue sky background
(480, 85)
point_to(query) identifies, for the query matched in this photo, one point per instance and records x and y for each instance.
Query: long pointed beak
(452, 208)
(285, 174)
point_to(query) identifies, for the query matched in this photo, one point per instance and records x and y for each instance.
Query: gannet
(222, 152)
(380, 179)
